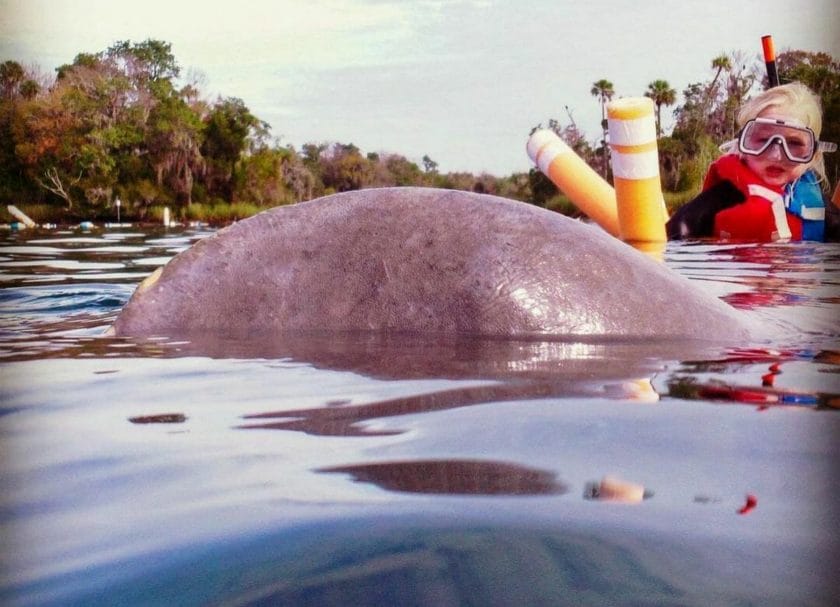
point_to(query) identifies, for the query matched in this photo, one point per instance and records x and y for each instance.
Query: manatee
(422, 260)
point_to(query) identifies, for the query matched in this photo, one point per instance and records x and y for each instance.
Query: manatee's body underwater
(421, 260)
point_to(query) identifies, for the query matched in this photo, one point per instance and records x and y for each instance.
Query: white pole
(20, 215)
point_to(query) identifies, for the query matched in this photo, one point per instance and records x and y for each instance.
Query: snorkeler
(767, 186)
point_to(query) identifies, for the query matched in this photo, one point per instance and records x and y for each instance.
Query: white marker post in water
(21, 216)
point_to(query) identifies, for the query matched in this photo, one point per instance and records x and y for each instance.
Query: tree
(297, 176)
(16, 83)
(112, 122)
(662, 94)
(52, 146)
(150, 60)
(603, 90)
(29, 89)
(741, 78)
(173, 140)
(262, 177)
(403, 172)
(709, 108)
(11, 76)
(17, 86)
(720, 63)
(226, 133)
(345, 169)
(821, 73)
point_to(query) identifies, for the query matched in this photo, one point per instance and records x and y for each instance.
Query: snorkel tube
(770, 61)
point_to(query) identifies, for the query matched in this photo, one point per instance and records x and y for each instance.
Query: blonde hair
(795, 100)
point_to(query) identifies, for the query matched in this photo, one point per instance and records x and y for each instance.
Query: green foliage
(683, 162)
(11, 77)
(710, 108)
(399, 171)
(172, 138)
(148, 60)
(218, 212)
(260, 178)
(89, 136)
(226, 132)
(345, 168)
(40, 213)
(560, 203)
(542, 189)
(114, 123)
(821, 73)
(662, 94)
(429, 165)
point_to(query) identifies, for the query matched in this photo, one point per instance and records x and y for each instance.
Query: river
(400, 470)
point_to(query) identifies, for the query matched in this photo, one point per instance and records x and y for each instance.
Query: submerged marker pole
(770, 61)
(21, 216)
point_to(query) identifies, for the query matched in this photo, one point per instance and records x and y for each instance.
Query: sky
(462, 81)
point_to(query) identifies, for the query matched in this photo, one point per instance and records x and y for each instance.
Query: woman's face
(773, 167)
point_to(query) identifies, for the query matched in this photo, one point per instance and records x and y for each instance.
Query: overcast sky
(462, 81)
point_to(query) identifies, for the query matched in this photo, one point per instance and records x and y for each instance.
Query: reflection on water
(763, 377)
(795, 286)
(613, 489)
(407, 469)
(454, 477)
(161, 418)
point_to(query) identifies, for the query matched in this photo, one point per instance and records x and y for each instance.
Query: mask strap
(728, 146)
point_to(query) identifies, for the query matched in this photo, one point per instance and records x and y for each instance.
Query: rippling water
(398, 470)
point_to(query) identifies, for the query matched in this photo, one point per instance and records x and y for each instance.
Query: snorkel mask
(798, 143)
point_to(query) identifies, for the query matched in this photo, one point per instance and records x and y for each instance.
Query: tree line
(707, 116)
(122, 124)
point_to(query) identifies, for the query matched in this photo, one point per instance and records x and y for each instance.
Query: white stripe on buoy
(641, 165)
(633, 131)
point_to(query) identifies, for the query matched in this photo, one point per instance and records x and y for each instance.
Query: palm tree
(603, 90)
(719, 63)
(662, 94)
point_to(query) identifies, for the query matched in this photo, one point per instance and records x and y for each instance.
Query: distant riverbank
(222, 213)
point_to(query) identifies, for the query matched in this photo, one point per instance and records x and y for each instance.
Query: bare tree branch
(56, 186)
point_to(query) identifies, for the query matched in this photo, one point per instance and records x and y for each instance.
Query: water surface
(362, 469)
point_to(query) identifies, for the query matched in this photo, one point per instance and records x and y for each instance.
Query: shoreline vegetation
(119, 134)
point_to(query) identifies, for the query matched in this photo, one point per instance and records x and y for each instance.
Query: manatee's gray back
(427, 260)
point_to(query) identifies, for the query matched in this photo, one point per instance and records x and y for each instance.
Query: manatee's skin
(422, 260)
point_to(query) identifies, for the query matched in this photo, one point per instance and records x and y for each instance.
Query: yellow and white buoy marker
(635, 163)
